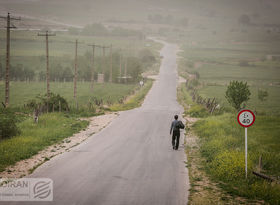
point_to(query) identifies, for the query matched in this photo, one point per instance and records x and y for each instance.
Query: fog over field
(65, 61)
(88, 11)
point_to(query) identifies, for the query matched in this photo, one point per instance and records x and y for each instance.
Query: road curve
(131, 161)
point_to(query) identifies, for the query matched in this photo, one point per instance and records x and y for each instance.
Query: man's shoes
(173, 147)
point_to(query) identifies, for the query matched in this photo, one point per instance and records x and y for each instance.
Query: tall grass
(222, 144)
(51, 129)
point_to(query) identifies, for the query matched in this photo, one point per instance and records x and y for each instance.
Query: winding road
(131, 161)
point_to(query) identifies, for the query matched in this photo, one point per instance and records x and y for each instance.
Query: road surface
(131, 161)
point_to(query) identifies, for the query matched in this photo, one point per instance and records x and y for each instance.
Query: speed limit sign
(246, 118)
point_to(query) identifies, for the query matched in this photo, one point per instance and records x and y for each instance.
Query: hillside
(88, 11)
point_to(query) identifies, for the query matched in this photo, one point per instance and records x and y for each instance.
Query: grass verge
(51, 129)
(135, 100)
(215, 151)
(222, 144)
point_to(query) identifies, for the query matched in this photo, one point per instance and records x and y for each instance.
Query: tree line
(62, 70)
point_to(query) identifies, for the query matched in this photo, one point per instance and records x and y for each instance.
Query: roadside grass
(22, 92)
(222, 144)
(135, 100)
(52, 128)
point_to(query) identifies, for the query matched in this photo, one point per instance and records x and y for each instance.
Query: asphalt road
(131, 161)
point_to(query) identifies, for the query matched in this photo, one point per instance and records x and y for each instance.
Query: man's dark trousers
(175, 139)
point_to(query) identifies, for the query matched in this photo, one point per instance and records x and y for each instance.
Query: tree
(244, 19)
(237, 93)
(262, 95)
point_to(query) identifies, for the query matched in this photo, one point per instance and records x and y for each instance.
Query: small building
(273, 57)
(100, 78)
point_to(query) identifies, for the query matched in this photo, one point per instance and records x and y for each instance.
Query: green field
(222, 144)
(218, 66)
(22, 92)
(216, 60)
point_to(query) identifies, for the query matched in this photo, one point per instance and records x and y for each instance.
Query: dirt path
(25, 167)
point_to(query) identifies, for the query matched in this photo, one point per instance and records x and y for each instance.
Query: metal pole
(246, 151)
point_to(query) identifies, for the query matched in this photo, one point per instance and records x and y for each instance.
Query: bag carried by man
(179, 125)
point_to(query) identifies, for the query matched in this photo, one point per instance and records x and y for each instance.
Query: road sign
(246, 118)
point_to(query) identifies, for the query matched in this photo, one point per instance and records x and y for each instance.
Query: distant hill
(87, 11)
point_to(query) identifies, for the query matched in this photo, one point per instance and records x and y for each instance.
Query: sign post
(246, 118)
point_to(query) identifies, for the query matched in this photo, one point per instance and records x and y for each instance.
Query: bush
(8, 127)
(53, 102)
(244, 63)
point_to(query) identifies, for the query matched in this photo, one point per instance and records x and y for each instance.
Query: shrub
(53, 102)
(8, 127)
(244, 63)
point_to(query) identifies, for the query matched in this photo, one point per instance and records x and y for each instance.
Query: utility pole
(7, 80)
(111, 69)
(47, 34)
(104, 47)
(125, 70)
(92, 72)
(75, 75)
(120, 66)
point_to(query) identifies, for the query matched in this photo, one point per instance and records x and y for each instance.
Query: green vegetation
(220, 59)
(135, 100)
(237, 93)
(22, 93)
(222, 144)
(51, 129)
(24, 137)
(8, 127)
(198, 111)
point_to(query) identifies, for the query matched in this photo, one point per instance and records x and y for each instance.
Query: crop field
(217, 66)
(28, 43)
(22, 92)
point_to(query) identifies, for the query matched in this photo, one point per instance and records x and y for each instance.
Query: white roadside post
(246, 118)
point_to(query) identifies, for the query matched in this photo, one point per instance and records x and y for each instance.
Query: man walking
(176, 125)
